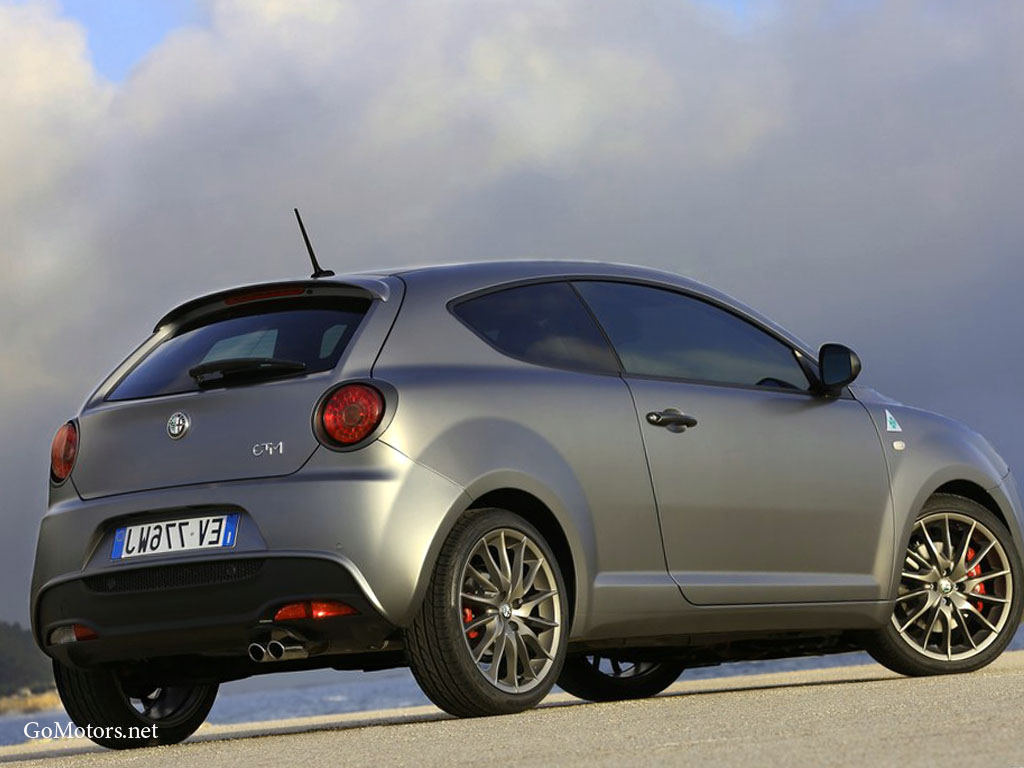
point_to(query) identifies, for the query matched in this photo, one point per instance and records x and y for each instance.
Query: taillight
(72, 633)
(269, 293)
(313, 609)
(351, 413)
(63, 452)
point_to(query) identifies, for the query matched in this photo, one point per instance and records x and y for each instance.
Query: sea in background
(326, 692)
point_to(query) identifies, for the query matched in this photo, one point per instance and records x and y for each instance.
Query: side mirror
(838, 366)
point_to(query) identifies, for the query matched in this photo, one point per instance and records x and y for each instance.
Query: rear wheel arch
(540, 516)
(498, 647)
(571, 557)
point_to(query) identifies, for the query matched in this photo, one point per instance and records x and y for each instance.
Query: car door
(766, 492)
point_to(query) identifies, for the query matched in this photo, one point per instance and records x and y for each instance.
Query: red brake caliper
(467, 617)
(974, 573)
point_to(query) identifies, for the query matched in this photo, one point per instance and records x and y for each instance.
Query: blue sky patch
(122, 32)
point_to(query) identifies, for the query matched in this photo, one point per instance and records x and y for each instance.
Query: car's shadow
(413, 715)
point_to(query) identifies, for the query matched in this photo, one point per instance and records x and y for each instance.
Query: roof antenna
(318, 271)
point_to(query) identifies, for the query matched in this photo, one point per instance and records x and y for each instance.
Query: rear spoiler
(351, 286)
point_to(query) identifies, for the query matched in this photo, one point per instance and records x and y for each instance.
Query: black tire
(438, 648)
(888, 646)
(100, 702)
(585, 677)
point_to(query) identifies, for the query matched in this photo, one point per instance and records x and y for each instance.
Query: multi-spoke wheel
(121, 712)
(598, 678)
(491, 635)
(511, 610)
(958, 604)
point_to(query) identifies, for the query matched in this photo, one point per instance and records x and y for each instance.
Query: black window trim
(811, 359)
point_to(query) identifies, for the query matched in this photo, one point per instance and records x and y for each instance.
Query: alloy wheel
(510, 610)
(955, 590)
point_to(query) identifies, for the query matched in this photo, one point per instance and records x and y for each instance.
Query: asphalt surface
(846, 716)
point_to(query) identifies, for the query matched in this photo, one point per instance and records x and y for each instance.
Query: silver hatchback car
(503, 475)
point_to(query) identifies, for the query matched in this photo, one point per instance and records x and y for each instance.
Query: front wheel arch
(974, 492)
(959, 486)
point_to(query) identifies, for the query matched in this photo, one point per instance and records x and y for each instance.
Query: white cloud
(50, 93)
(51, 105)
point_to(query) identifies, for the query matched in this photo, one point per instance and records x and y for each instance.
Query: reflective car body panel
(763, 501)
(517, 425)
(125, 446)
(780, 511)
(366, 510)
(938, 453)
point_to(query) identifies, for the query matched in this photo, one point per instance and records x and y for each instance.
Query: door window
(659, 332)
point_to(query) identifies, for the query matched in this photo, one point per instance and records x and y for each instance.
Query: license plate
(215, 532)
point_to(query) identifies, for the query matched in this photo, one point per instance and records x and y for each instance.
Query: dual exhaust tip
(278, 650)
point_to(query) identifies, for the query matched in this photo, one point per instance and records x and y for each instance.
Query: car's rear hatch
(263, 357)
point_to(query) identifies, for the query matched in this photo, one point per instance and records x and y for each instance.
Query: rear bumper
(363, 526)
(208, 607)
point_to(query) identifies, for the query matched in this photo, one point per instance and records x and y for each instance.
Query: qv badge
(891, 425)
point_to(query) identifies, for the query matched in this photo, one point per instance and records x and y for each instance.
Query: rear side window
(314, 332)
(665, 334)
(546, 324)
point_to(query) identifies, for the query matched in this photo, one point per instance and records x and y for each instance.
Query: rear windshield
(314, 332)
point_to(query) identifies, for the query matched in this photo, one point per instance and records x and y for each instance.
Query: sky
(121, 32)
(852, 169)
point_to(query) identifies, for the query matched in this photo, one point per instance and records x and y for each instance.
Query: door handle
(671, 419)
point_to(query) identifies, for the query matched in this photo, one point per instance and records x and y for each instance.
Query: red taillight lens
(351, 413)
(72, 633)
(324, 610)
(313, 609)
(63, 452)
(292, 611)
(269, 293)
(83, 632)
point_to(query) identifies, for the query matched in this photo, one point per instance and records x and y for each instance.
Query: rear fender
(539, 470)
